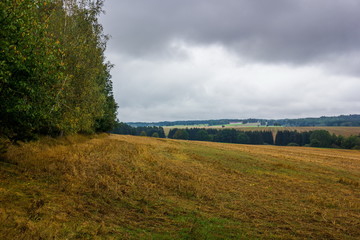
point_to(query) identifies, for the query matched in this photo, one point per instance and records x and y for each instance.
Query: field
(127, 187)
(344, 131)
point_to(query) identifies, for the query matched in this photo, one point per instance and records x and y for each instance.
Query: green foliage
(181, 134)
(317, 138)
(242, 138)
(28, 70)
(320, 138)
(202, 135)
(155, 135)
(53, 78)
(283, 138)
(125, 129)
(293, 144)
(352, 142)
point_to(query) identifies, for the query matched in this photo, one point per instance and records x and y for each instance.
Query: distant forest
(316, 138)
(343, 120)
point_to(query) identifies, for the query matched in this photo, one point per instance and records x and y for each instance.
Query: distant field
(344, 131)
(126, 187)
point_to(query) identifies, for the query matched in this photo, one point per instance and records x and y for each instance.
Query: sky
(211, 59)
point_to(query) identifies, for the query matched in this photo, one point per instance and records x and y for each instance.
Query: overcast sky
(211, 59)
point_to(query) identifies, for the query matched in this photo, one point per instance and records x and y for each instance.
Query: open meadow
(127, 187)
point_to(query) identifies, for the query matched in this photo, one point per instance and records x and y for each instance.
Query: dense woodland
(125, 129)
(54, 78)
(316, 138)
(343, 120)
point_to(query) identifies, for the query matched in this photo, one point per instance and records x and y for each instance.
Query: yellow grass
(126, 187)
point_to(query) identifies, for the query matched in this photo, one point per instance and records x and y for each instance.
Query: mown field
(126, 187)
(344, 131)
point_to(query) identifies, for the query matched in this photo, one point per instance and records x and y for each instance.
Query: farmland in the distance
(127, 187)
(344, 131)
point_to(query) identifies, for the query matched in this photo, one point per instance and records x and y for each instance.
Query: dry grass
(125, 187)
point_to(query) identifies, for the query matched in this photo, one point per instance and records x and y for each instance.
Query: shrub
(292, 144)
(155, 135)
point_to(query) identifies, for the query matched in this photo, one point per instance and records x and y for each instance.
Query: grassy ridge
(126, 187)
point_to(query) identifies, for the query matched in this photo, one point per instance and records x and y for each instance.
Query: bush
(155, 135)
(292, 144)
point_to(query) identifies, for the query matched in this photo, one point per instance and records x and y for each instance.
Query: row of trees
(295, 138)
(53, 75)
(317, 138)
(223, 135)
(125, 129)
(342, 120)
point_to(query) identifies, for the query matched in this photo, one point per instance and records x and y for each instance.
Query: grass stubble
(126, 187)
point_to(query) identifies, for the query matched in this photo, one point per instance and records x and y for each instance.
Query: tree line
(54, 78)
(316, 138)
(223, 135)
(342, 120)
(125, 129)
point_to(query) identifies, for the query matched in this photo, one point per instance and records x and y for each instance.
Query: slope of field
(126, 187)
(343, 131)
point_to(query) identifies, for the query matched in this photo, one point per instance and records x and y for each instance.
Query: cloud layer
(202, 59)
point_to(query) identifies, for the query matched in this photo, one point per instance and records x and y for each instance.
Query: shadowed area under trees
(54, 79)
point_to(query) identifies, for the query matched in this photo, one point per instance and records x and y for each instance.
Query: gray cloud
(207, 59)
(291, 31)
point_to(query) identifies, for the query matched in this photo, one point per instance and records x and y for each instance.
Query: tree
(320, 138)
(279, 139)
(242, 138)
(181, 134)
(351, 142)
(202, 135)
(29, 68)
(172, 132)
(53, 78)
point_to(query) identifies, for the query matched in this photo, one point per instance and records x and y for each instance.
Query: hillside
(126, 187)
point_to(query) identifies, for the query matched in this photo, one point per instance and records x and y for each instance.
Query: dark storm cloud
(291, 31)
